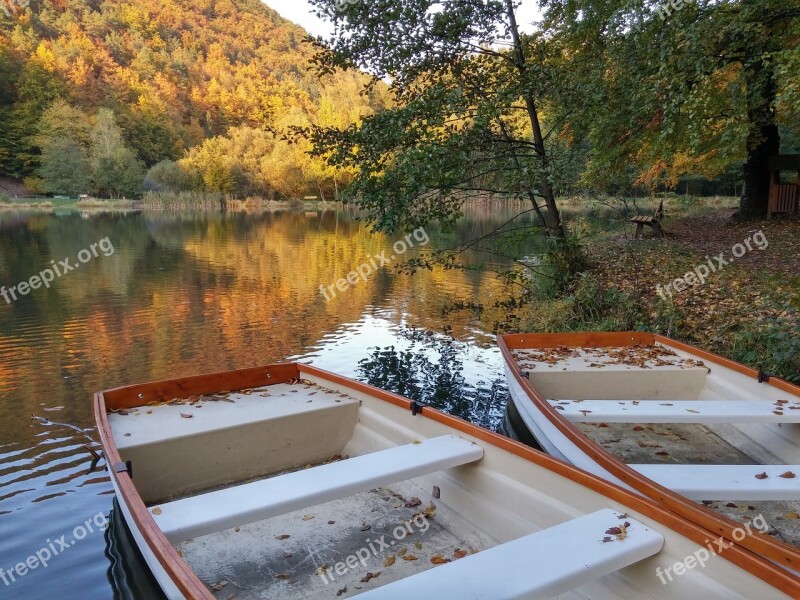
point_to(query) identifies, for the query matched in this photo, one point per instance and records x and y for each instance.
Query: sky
(299, 11)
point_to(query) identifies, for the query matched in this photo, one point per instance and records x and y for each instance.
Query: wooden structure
(654, 222)
(783, 197)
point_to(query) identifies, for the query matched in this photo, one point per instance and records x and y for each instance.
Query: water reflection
(430, 371)
(186, 294)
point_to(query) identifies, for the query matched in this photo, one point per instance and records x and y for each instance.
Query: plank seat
(642, 219)
(726, 482)
(540, 565)
(678, 411)
(245, 503)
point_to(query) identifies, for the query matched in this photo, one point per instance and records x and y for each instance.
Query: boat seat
(245, 503)
(541, 565)
(678, 411)
(726, 482)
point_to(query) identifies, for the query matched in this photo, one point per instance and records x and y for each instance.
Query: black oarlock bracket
(416, 408)
(124, 467)
(763, 377)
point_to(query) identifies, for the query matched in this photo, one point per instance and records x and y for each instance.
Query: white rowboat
(289, 482)
(704, 436)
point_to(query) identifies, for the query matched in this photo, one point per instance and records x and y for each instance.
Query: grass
(749, 311)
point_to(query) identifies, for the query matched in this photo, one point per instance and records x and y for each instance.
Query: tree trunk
(763, 139)
(554, 225)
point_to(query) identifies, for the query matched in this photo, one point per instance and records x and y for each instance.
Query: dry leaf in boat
(409, 557)
(341, 591)
(413, 501)
(283, 536)
(388, 561)
(459, 553)
(436, 492)
(731, 505)
(430, 511)
(438, 559)
(777, 412)
(402, 551)
(662, 453)
(787, 475)
(762, 475)
(366, 527)
(791, 515)
(219, 585)
(283, 576)
(156, 511)
(331, 522)
(307, 517)
(418, 545)
(638, 428)
(321, 570)
(369, 576)
(237, 529)
(416, 442)
(643, 444)
(186, 415)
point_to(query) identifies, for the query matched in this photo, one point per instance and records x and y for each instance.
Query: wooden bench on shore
(654, 222)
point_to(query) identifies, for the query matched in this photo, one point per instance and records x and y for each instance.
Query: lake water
(182, 294)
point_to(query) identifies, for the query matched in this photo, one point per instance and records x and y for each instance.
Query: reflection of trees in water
(430, 371)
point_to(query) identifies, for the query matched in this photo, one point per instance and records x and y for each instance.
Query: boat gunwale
(761, 544)
(190, 585)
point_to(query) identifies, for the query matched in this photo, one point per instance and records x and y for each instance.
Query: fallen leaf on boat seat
(186, 415)
(283, 536)
(409, 557)
(791, 515)
(388, 561)
(413, 501)
(438, 559)
(283, 576)
(459, 553)
(307, 517)
(219, 585)
(369, 576)
(787, 475)
(762, 475)
(156, 511)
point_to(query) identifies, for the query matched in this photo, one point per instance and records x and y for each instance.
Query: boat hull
(563, 439)
(512, 491)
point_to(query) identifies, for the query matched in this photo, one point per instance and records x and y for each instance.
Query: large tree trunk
(763, 139)
(554, 226)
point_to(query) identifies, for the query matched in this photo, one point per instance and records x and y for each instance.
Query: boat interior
(311, 488)
(700, 428)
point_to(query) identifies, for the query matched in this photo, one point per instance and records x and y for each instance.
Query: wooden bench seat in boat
(540, 565)
(245, 503)
(581, 377)
(726, 482)
(677, 411)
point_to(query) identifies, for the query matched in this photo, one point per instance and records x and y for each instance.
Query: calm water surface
(183, 294)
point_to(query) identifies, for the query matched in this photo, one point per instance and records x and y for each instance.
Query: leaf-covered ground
(748, 310)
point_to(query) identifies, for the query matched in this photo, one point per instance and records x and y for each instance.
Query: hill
(176, 74)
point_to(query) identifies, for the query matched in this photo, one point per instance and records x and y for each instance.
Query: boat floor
(644, 443)
(285, 557)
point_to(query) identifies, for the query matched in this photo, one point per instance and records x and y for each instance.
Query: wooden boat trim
(765, 545)
(191, 586)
